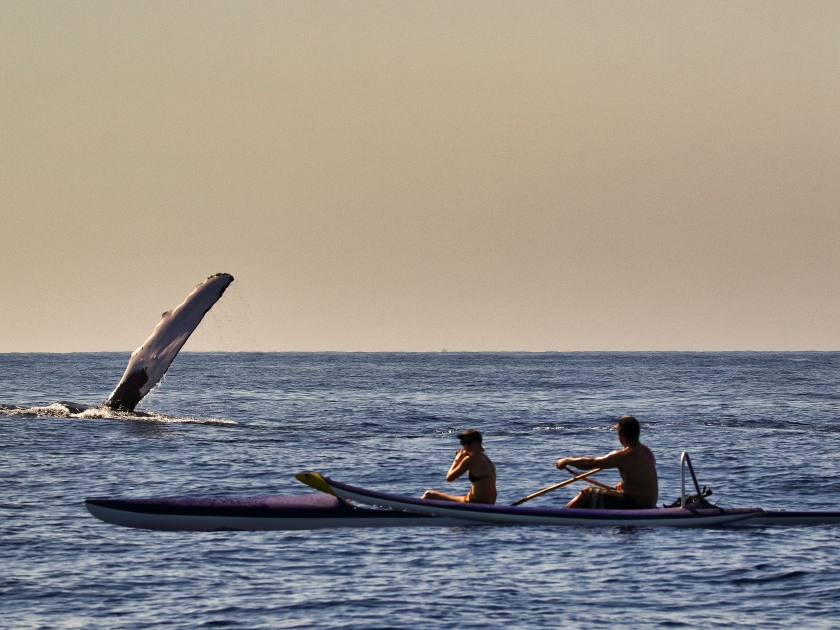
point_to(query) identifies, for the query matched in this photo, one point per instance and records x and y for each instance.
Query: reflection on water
(145, 429)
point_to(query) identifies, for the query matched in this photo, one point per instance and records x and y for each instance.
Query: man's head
(628, 427)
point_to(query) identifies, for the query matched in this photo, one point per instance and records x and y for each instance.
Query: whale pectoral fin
(128, 394)
(150, 361)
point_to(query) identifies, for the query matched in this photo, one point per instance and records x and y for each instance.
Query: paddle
(554, 487)
(592, 481)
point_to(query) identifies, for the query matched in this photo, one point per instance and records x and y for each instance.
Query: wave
(63, 410)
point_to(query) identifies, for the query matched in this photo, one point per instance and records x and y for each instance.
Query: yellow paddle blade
(314, 480)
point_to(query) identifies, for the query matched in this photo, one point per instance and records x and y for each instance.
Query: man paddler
(639, 487)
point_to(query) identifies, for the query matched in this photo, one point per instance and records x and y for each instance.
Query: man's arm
(613, 460)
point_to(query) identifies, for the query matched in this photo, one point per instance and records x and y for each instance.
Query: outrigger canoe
(334, 509)
(318, 511)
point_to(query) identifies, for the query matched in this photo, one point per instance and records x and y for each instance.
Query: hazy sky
(420, 175)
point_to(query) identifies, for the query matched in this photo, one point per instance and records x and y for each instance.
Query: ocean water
(762, 429)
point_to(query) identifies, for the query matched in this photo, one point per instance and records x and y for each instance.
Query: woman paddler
(470, 458)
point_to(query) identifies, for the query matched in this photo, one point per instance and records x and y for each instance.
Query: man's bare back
(639, 487)
(637, 468)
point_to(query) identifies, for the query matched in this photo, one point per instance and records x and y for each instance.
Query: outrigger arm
(685, 459)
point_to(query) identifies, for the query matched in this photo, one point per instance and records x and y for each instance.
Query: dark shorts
(611, 500)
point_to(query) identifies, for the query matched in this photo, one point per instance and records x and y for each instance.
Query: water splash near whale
(66, 409)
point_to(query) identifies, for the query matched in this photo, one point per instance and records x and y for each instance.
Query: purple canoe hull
(296, 512)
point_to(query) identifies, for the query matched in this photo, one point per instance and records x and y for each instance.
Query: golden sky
(422, 175)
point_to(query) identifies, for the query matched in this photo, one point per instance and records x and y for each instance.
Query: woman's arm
(459, 466)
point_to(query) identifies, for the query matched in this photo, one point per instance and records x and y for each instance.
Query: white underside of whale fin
(150, 361)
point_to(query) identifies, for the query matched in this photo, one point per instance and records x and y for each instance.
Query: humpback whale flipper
(150, 361)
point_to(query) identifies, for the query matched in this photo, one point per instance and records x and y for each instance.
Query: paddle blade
(314, 480)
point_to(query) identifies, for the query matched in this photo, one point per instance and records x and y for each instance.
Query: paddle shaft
(593, 482)
(555, 486)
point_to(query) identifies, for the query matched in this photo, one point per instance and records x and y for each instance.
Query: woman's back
(482, 474)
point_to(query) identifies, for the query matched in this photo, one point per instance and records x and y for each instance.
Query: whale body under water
(150, 361)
